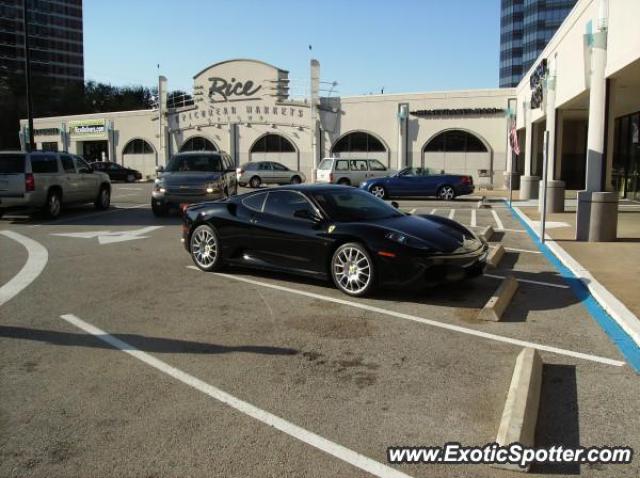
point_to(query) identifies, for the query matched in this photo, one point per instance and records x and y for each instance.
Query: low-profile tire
(53, 206)
(255, 182)
(353, 270)
(103, 201)
(205, 248)
(131, 178)
(344, 182)
(378, 191)
(296, 180)
(158, 210)
(446, 192)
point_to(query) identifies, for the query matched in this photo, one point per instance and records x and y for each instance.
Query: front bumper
(175, 200)
(424, 269)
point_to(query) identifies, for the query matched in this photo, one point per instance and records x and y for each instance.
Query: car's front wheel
(53, 206)
(104, 198)
(159, 210)
(296, 180)
(352, 269)
(446, 192)
(205, 248)
(378, 191)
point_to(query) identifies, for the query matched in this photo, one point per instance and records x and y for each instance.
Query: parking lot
(118, 358)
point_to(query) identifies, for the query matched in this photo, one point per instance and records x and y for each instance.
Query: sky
(364, 45)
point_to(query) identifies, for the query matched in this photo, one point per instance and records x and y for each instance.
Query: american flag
(513, 138)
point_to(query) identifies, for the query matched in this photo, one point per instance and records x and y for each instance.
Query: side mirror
(159, 169)
(306, 215)
(395, 204)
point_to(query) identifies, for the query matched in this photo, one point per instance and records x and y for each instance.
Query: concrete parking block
(518, 423)
(497, 304)
(495, 255)
(487, 233)
(482, 203)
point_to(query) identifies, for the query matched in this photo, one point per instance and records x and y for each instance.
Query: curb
(518, 422)
(486, 233)
(618, 322)
(497, 304)
(495, 256)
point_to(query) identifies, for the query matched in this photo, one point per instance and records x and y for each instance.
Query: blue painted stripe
(629, 349)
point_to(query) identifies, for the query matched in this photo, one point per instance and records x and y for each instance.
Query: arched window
(137, 146)
(455, 141)
(198, 143)
(359, 142)
(273, 143)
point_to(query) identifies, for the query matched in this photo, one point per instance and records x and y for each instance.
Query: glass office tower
(525, 28)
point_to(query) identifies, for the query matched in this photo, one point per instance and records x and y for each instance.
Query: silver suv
(350, 172)
(45, 180)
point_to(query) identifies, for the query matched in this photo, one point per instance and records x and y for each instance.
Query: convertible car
(331, 231)
(415, 182)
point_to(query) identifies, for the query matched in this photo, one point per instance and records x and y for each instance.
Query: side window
(358, 165)
(342, 165)
(279, 167)
(255, 201)
(44, 163)
(264, 166)
(286, 203)
(82, 165)
(376, 165)
(67, 163)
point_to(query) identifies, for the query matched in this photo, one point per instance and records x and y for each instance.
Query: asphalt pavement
(117, 358)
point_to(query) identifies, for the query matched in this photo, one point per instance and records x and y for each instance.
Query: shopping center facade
(583, 90)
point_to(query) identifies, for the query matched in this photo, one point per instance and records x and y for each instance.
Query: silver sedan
(267, 172)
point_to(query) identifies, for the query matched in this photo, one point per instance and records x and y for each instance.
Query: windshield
(354, 205)
(418, 172)
(325, 164)
(195, 162)
(11, 163)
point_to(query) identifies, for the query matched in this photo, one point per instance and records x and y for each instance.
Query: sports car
(331, 232)
(420, 182)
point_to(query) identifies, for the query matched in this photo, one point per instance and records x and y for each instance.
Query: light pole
(27, 71)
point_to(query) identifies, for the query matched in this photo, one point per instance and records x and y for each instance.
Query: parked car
(267, 172)
(117, 172)
(47, 181)
(415, 182)
(193, 177)
(350, 172)
(329, 231)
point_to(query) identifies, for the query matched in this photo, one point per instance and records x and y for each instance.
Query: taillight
(467, 180)
(29, 182)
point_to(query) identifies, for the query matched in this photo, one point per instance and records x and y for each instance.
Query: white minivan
(350, 172)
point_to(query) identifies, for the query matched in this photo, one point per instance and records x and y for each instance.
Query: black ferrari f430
(331, 231)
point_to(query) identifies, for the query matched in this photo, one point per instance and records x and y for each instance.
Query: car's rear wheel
(104, 198)
(352, 269)
(53, 206)
(255, 182)
(296, 180)
(378, 191)
(130, 178)
(344, 182)
(446, 192)
(205, 248)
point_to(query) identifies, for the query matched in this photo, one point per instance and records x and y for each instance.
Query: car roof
(308, 188)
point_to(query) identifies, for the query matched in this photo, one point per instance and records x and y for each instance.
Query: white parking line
(345, 454)
(473, 218)
(514, 249)
(452, 213)
(497, 219)
(434, 323)
(36, 261)
(529, 281)
(433, 211)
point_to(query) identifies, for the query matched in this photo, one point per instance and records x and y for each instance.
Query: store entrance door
(626, 157)
(95, 150)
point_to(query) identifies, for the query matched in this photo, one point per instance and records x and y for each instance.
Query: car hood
(188, 178)
(437, 233)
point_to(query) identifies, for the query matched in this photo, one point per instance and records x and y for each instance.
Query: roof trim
(239, 59)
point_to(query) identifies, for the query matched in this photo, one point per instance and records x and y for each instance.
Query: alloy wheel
(378, 191)
(204, 247)
(352, 270)
(105, 198)
(54, 205)
(447, 192)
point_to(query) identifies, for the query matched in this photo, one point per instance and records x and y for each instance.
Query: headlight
(211, 188)
(396, 237)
